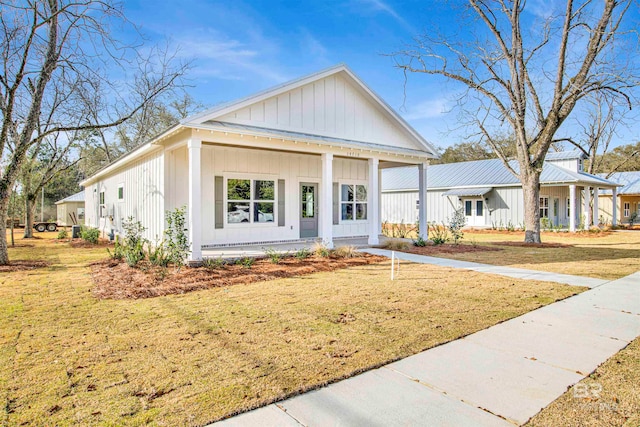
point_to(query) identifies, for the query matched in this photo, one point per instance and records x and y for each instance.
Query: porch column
(374, 203)
(596, 214)
(573, 208)
(326, 201)
(422, 200)
(614, 210)
(379, 202)
(587, 206)
(194, 147)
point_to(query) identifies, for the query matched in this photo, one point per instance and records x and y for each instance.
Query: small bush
(395, 245)
(176, 241)
(274, 256)
(63, 234)
(347, 252)
(321, 250)
(439, 235)
(158, 256)
(118, 250)
(457, 221)
(90, 235)
(214, 263)
(420, 242)
(246, 262)
(134, 254)
(302, 253)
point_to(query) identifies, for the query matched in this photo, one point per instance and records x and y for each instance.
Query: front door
(556, 211)
(474, 212)
(308, 210)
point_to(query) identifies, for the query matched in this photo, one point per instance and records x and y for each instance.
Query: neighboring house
(628, 200)
(490, 195)
(297, 161)
(71, 208)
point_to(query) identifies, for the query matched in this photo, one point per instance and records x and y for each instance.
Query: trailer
(38, 226)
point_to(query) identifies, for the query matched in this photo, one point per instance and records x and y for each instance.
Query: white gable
(333, 105)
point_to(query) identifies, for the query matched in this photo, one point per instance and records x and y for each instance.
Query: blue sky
(241, 47)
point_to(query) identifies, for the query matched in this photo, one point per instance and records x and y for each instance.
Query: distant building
(628, 200)
(71, 208)
(491, 195)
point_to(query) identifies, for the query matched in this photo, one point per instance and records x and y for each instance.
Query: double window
(544, 207)
(353, 202)
(250, 201)
(627, 209)
(568, 207)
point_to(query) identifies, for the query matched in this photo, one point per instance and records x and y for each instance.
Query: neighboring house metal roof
(78, 197)
(481, 173)
(468, 192)
(565, 155)
(630, 182)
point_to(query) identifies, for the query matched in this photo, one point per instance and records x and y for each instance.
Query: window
(479, 207)
(103, 207)
(467, 207)
(627, 209)
(102, 197)
(80, 213)
(250, 201)
(121, 192)
(353, 202)
(544, 207)
(568, 207)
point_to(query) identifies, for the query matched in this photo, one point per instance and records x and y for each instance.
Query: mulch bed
(116, 280)
(22, 265)
(80, 243)
(448, 249)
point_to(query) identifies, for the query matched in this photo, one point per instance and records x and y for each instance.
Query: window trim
(354, 202)
(102, 203)
(121, 187)
(545, 207)
(626, 209)
(252, 178)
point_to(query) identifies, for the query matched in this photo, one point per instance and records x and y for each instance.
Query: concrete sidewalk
(500, 376)
(518, 273)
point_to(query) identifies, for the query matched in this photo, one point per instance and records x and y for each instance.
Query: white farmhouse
(299, 161)
(490, 195)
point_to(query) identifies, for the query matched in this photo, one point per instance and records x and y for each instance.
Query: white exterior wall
(331, 107)
(240, 163)
(143, 183)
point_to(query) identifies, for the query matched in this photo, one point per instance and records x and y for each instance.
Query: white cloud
(381, 6)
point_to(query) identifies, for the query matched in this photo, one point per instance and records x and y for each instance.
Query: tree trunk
(4, 252)
(531, 193)
(30, 213)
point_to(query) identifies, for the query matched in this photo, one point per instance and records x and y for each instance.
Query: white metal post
(326, 201)
(614, 211)
(422, 197)
(373, 195)
(587, 207)
(573, 208)
(195, 221)
(596, 208)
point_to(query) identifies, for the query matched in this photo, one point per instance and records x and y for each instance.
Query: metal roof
(481, 173)
(78, 197)
(468, 192)
(565, 155)
(630, 182)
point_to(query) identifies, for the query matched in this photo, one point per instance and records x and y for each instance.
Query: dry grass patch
(608, 397)
(68, 358)
(610, 256)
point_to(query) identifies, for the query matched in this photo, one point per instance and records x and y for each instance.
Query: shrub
(439, 235)
(118, 250)
(63, 234)
(158, 255)
(246, 262)
(395, 245)
(274, 256)
(214, 263)
(176, 241)
(134, 254)
(133, 241)
(420, 242)
(347, 252)
(90, 235)
(633, 218)
(302, 253)
(457, 221)
(321, 250)
(510, 226)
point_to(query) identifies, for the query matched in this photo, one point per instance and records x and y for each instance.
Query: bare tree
(529, 83)
(56, 57)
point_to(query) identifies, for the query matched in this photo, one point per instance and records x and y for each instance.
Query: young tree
(63, 70)
(529, 82)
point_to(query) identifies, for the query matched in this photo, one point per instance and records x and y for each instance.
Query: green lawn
(67, 358)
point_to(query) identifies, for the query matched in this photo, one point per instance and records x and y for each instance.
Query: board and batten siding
(331, 107)
(143, 186)
(240, 163)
